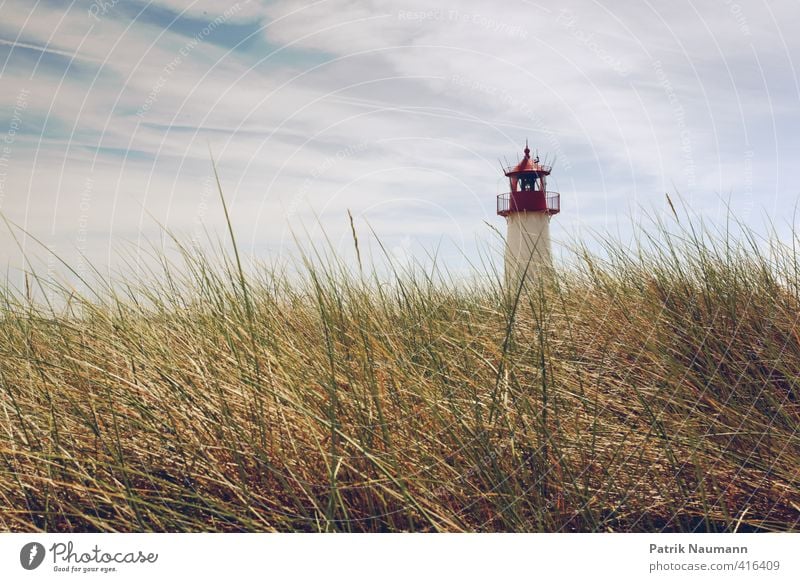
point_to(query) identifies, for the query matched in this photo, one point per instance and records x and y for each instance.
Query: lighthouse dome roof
(528, 164)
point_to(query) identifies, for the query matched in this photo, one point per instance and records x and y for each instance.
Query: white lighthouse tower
(527, 208)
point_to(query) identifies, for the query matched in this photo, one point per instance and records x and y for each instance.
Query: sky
(401, 112)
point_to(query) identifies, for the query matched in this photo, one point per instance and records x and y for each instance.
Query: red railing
(531, 201)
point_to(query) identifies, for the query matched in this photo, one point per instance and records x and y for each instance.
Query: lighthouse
(527, 208)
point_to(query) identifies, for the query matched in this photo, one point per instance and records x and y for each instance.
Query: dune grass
(653, 389)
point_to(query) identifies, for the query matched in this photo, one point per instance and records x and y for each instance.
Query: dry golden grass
(653, 390)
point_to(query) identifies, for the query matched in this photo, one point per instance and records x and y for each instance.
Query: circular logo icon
(31, 555)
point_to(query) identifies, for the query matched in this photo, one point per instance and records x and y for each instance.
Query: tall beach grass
(644, 388)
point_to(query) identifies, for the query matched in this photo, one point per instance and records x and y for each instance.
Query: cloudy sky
(396, 110)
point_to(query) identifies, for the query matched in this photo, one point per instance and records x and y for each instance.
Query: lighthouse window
(527, 183)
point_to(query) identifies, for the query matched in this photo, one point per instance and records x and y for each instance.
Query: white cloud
(633, 101)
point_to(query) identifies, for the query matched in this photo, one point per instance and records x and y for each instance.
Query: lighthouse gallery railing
(552, 202)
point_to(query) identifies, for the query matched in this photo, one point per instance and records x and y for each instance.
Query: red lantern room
(528, 181)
